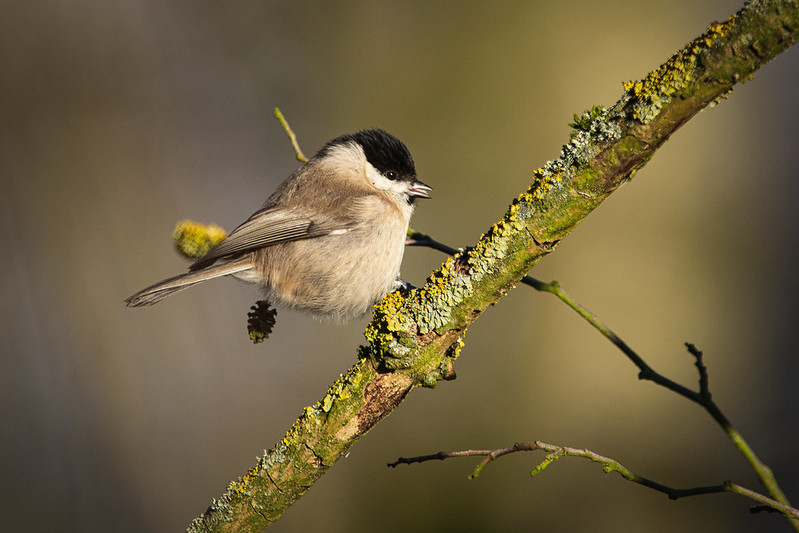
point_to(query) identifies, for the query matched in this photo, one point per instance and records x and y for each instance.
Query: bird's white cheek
(396, 187)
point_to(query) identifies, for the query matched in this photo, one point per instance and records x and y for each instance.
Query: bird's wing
(267, 227)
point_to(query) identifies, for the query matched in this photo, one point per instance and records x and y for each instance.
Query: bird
(329, 241)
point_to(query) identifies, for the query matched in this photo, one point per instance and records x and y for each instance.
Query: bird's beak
(419, 190)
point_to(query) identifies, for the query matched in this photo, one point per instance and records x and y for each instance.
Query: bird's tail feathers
(155, 293)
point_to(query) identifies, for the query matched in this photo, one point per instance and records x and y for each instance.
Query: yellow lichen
(673, 76)
(314, 415)
(242, 486)
(458, 345)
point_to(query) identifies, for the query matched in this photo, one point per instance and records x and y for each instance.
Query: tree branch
(415, 336)
(702, 397)
(608, 465)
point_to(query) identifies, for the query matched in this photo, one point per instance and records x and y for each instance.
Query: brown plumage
(329, 240)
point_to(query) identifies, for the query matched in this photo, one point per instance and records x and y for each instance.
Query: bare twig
(293, 138)
(702, 397)
(555, 452)
(416, 238)
(646, 372)
(704, 387)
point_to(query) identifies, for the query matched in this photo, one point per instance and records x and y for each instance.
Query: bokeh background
(119, 118)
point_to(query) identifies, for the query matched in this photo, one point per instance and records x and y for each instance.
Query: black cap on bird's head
(387, 154)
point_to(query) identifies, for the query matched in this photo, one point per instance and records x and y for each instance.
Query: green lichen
(391, 332)
(342, 389)
(583, 122)
(444, 292)
(674, 77)
(430, 380)
(548, 460)
(243, 486)
(401, 333)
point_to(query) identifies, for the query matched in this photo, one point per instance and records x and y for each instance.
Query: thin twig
(416, 238)
(703, 397)
(704, 387)
(608, 465)
(646, 372)
(293, 138)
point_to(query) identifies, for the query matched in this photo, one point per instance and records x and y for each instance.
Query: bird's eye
(391, 175)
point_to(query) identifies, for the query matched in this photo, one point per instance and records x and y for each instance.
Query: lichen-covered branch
(415, 336)
(555, 452)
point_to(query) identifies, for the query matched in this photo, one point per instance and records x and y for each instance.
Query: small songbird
(329, 240)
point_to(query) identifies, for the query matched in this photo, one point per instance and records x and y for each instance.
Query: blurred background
(119, 118)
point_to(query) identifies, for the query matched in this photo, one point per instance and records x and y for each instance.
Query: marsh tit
(329, 240)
